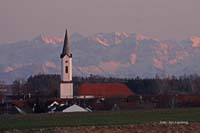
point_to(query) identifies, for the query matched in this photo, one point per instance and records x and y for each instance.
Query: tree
(43, 85)
(2, 90)
(18, 87)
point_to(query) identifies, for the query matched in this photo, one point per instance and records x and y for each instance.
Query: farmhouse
(104, 90)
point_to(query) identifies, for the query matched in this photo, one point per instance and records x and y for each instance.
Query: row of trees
(173, 85)
(38, 85)
(48, 85)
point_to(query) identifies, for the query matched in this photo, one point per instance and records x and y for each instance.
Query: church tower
(66, 85)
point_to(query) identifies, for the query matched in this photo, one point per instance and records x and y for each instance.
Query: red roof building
(104, 90)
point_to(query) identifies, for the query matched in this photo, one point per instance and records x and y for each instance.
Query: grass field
(34, 121)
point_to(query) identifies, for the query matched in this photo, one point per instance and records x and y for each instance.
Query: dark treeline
(171, 85)
(48, 85)
(38, 85)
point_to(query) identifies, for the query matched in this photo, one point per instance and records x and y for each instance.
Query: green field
(34, 121)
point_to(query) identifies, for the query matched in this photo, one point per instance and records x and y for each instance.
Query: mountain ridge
(119, 54)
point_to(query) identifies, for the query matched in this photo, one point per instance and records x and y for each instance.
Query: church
(86, 89)
(66, 85)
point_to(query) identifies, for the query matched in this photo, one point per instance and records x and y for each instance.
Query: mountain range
(118, 54)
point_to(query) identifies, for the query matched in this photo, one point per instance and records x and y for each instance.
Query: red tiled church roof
(104, 89)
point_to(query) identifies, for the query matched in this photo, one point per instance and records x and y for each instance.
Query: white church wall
(66, 90)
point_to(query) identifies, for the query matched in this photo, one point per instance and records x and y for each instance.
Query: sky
(164, 19)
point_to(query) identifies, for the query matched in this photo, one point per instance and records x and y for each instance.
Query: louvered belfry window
(66, 69)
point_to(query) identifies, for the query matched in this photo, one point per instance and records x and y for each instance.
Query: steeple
(66, 47)
(66, 84)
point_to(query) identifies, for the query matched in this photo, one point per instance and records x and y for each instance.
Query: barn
(104, 90)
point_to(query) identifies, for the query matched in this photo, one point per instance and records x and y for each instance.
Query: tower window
(66, 69)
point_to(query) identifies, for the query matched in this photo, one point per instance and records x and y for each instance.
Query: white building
(75, 108)
(66, 85)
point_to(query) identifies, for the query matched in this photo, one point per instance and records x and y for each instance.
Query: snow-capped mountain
(119, 54)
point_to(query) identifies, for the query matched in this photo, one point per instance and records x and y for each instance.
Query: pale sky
(165, 19)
